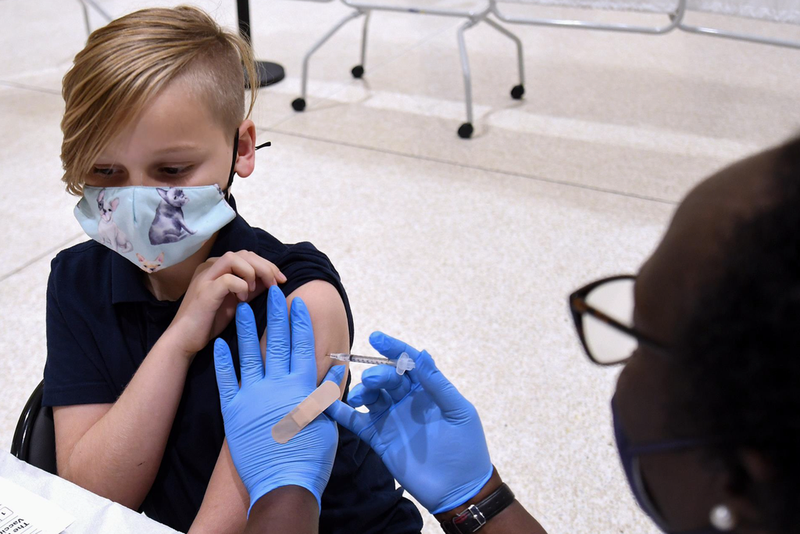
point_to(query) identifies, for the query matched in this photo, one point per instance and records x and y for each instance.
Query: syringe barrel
(371, 360)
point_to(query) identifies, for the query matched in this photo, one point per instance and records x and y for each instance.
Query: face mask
(153, 227)
(629, 456)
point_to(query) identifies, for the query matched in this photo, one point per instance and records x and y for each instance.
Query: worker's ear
(751, 478)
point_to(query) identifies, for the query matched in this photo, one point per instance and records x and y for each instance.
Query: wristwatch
(473, 518)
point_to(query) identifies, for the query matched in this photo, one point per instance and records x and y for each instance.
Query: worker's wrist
(490, 487)
(282, 498)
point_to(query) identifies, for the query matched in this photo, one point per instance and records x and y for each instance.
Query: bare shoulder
(324, 304)
(329, 319)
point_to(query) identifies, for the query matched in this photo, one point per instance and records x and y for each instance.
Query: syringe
(402, 364)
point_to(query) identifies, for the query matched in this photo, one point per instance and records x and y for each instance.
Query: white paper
(23, 512)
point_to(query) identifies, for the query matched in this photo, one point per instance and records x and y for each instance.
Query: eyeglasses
(603, 315)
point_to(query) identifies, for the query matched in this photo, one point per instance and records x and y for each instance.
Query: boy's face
(174, 142)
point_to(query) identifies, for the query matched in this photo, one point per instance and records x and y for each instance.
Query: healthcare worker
(706, 410)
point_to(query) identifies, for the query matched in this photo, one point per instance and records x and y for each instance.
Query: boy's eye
(173, 171)
(103, 171)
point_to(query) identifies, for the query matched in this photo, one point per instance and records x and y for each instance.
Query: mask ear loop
(233, 162)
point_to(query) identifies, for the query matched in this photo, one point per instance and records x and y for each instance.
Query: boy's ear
(246, 155)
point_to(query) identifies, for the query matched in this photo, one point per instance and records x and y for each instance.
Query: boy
(151, 104)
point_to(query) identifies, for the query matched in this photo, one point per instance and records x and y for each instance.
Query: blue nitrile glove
(251, 411)
(429, 436)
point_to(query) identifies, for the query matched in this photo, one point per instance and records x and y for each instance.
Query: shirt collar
(127, 284)
(235, 236)
(127, 280)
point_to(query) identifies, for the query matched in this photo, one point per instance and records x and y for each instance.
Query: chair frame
(493, 8)
(675, 19)
(24, 434)
(21, 443)
(473, 16)
(676, 22)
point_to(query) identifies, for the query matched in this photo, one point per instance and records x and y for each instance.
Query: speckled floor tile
(466, 248)
(37, 212)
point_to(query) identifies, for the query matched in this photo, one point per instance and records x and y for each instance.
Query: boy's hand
(217, 286)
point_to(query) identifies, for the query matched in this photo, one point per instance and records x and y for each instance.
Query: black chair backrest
(35, 437)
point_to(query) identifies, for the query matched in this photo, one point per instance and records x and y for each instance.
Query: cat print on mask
(150, 266)
(109, 233)
(168, 224)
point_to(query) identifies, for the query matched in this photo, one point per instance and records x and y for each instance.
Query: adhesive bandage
(305, 412)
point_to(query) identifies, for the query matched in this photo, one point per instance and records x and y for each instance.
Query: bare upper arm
(328, 318)
(71, 423)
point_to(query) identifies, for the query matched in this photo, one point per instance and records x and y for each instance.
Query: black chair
(35, 437)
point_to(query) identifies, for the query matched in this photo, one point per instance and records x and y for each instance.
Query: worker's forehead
(702, 227)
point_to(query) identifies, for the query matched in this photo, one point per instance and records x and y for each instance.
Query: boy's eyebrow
(177, 148)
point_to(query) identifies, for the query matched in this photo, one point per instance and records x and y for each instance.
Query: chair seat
(35, 437)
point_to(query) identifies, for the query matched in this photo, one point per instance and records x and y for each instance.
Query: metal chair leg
(299, 104)
(86, 19)
(86, 4)
(358, 70)
(466, 129)
(518, 90)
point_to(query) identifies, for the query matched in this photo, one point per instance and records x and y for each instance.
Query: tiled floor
(466, 248)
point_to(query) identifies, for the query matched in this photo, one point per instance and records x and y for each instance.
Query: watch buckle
(478, 516)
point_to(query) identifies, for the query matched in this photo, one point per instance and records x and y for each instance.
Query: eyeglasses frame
(578, 306)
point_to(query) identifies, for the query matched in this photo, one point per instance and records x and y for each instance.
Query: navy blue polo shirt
(102, 322)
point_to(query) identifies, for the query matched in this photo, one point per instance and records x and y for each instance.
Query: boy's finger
(236, 265)
(304, 361)
(227, 284)
(249, 347)
(277, 274)
(266, 271)
(279, 352)
(226, 375)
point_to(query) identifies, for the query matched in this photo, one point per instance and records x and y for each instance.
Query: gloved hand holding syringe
(402, 364)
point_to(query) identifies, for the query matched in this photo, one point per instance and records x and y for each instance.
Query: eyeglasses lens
(606, 343)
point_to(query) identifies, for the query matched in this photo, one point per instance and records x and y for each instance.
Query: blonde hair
(127, 62)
